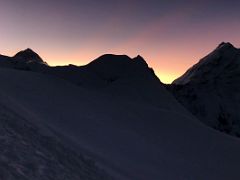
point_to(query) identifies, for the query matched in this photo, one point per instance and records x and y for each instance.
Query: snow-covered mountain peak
(210, 89)
(225, 45)
(224, 48)
(223, 60)
(29, 56)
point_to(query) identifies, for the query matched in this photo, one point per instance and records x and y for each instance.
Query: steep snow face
(137, 140)
(30, 151)
(221, 63)
(211, 90)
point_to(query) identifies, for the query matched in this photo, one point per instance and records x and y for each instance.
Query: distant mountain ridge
(117, 75)
(105, 68)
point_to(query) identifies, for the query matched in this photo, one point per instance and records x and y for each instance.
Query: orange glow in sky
(168, 63)
(171, 36)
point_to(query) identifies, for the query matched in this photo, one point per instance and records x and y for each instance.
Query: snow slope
(115, 75)
(31, 151)
(211, 90)
(137, 139)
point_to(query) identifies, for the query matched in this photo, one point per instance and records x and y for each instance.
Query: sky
(171, 35)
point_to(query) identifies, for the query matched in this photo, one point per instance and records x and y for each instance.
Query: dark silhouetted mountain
(99, 73)
(108, 69)
(211, 89)
(116, 75)
(28, 56)
(23, 60)
(113, 113)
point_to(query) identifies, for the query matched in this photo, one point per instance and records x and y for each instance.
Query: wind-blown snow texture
(122, 116)
(211, 90)
(29, 153)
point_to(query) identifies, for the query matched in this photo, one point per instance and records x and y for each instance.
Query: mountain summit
(111, 66)
(225, 45)
(222, 62)
(28, 56)
(211, 90)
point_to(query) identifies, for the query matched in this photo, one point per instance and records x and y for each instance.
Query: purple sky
(170, 35)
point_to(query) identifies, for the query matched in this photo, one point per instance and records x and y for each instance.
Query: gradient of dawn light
(170, 35)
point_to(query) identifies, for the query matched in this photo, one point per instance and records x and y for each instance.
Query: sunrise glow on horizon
(171, 36)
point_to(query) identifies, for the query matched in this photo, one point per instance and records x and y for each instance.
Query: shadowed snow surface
(27, 152)
(136, 139)
(117, 112)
